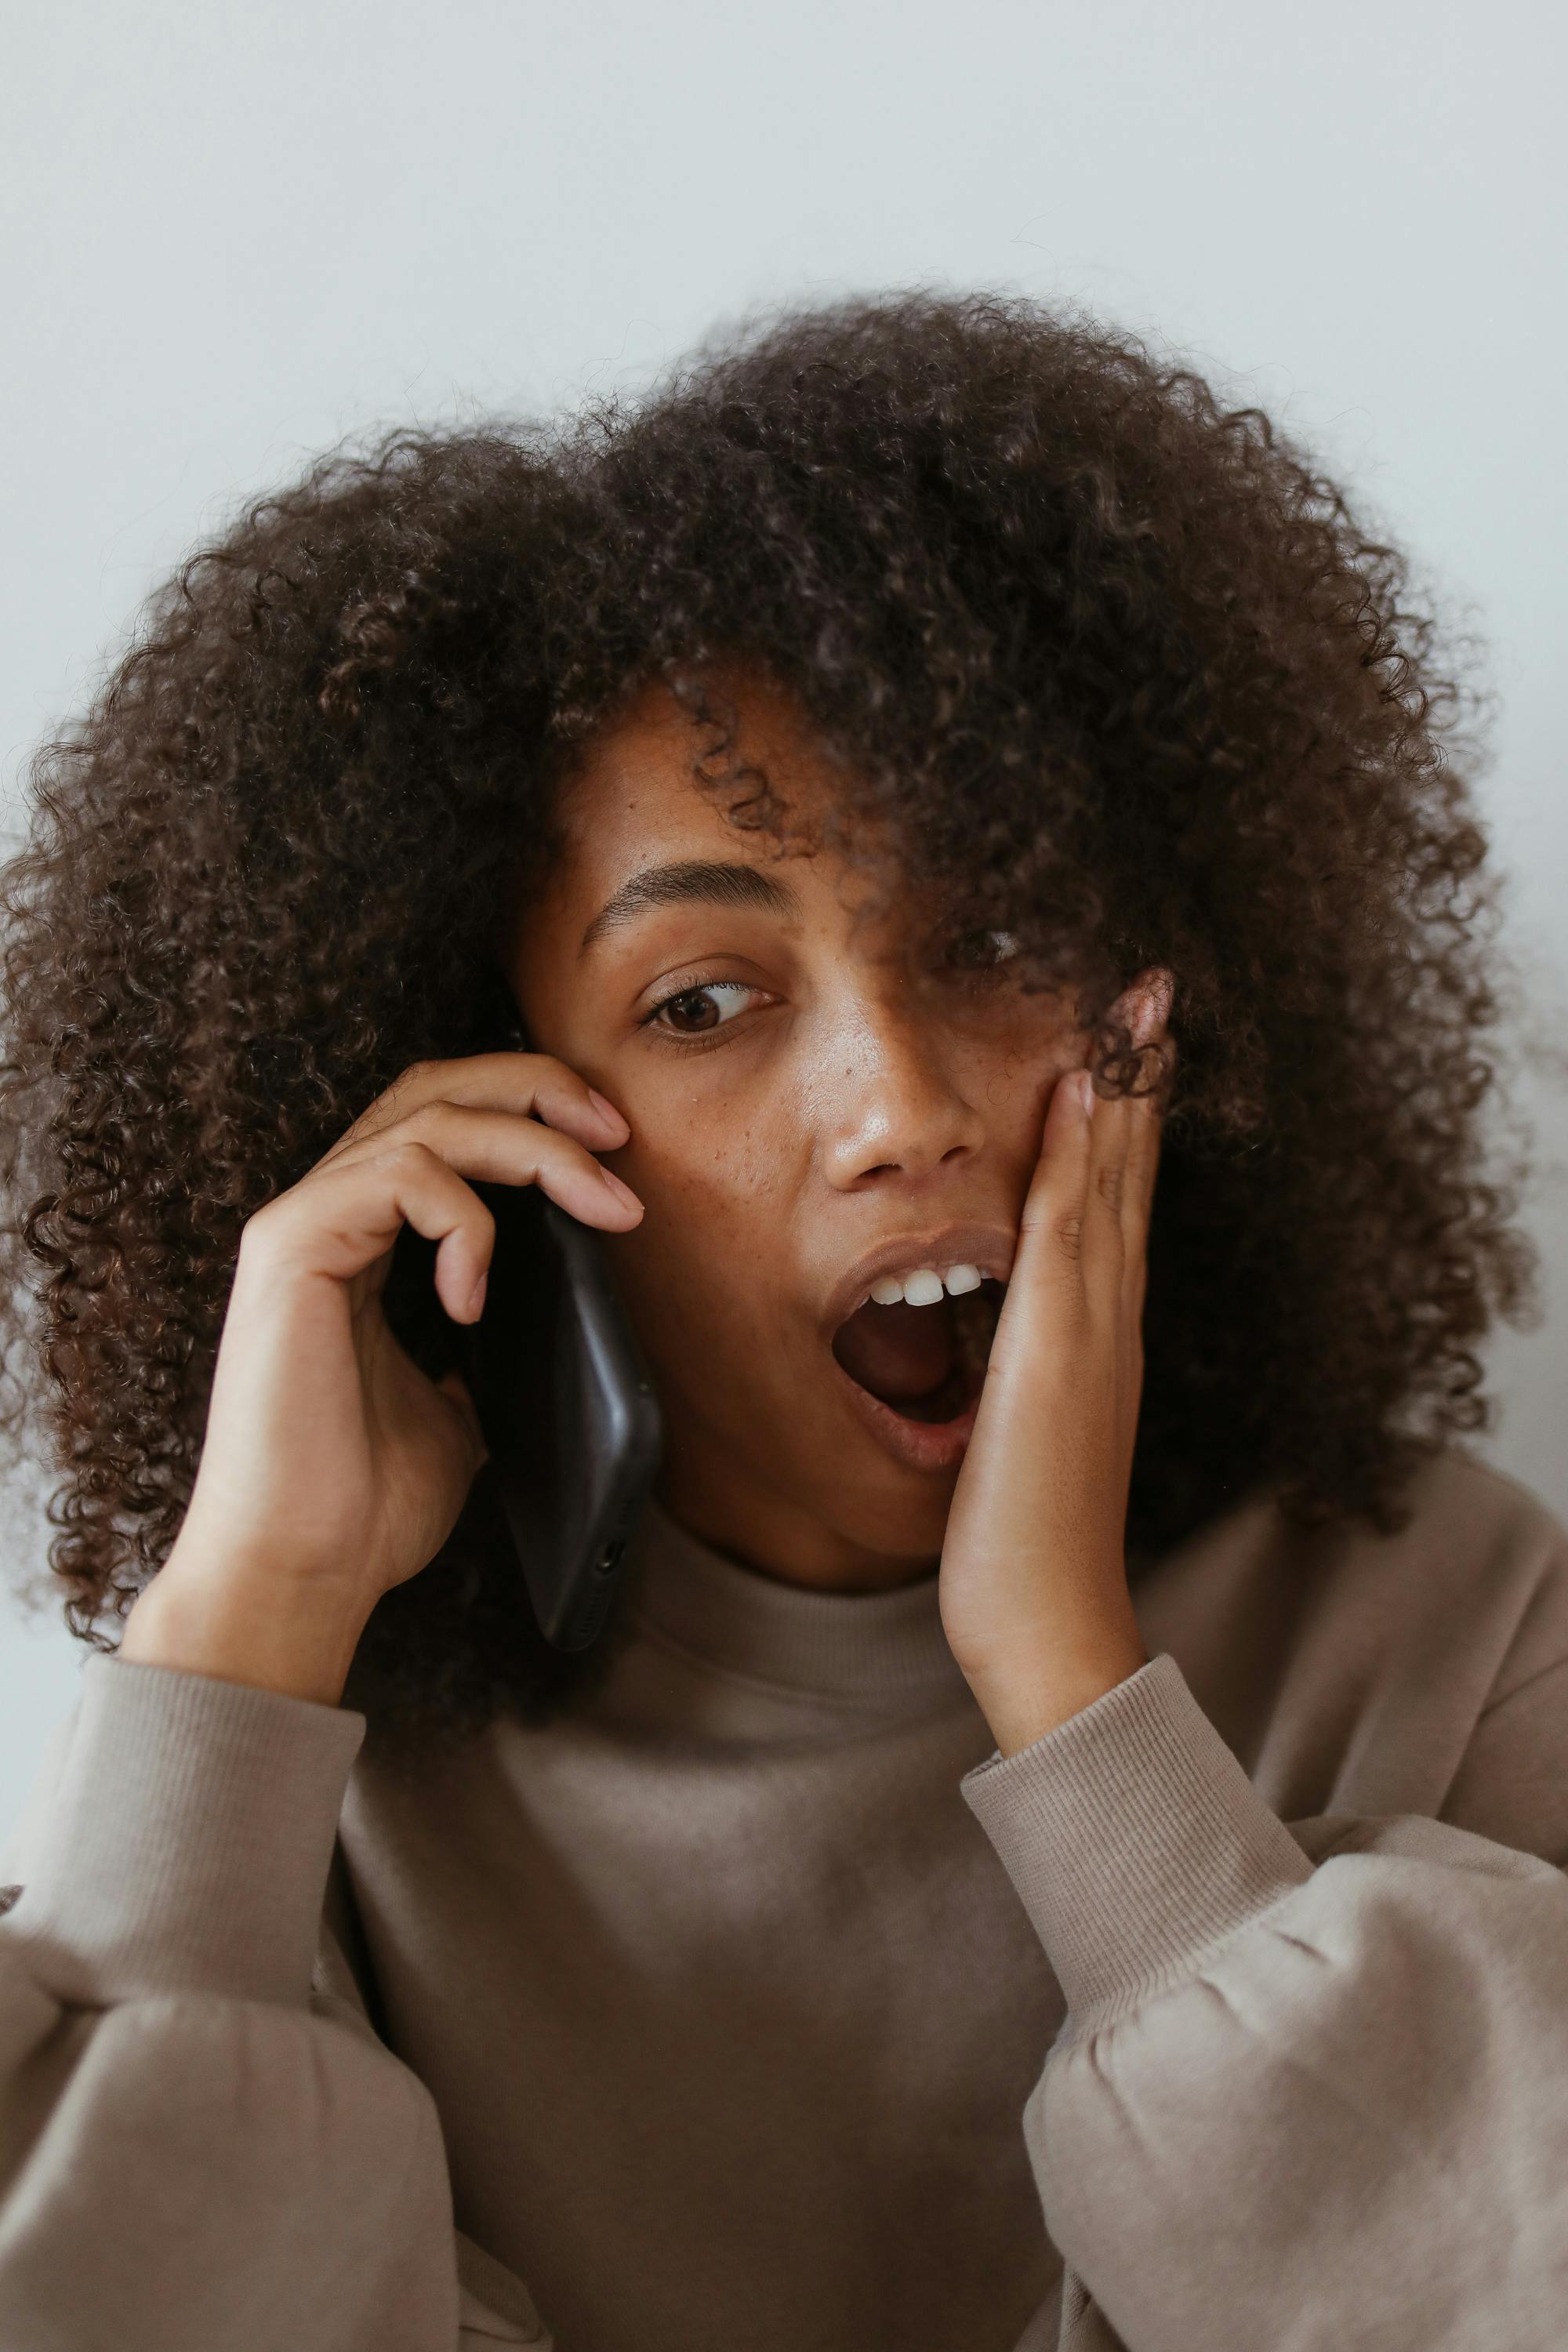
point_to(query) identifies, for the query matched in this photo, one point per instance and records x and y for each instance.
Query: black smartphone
(567, 1409)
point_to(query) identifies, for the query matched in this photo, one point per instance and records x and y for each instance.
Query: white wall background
(231, 235)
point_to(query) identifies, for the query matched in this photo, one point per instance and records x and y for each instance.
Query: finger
(340, 1223)
(1145, 1127)
(527, 1084)
(1146, 1135)
(343, 1218)
(1120, 1146)
(1110, 1135)
(1051, 1227)
(500, 1147)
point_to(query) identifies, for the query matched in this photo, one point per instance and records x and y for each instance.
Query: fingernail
(622, 1191)
(478, 1300)
(1086, 1092)
(607, 1110)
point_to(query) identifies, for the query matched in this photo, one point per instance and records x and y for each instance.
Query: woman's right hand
(332, 1468)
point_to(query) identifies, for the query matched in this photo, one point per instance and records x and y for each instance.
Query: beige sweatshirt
(759, 2004)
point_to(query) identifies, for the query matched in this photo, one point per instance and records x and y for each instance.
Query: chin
(897, 1523)
(878, 1506)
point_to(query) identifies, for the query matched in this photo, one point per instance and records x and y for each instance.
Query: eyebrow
(712, 882)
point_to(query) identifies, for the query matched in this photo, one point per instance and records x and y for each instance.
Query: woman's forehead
(649, 787)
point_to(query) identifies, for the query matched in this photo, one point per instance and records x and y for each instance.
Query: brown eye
(692, 1011)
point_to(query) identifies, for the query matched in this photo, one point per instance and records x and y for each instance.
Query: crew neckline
(738, 1620)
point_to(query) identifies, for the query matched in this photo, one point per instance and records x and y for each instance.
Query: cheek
(711, 1249)
(702, 1174)
(1024, 1069)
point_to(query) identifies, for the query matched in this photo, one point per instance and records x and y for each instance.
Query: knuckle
(1066, 1235)
(434, 1117)
(259, 1228)
(541, 1142)
(389, 1104)
(560, 1077)
(272, 1233)
(379, 1115)
(410, 1152)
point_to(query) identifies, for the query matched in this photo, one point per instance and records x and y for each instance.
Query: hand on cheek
(1033, 1592)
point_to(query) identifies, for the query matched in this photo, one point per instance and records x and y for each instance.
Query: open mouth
(923, 1360)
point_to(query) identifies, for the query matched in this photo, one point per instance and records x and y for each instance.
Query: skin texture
(858, 1095)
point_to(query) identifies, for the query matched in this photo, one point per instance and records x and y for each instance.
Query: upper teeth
(925, 1285)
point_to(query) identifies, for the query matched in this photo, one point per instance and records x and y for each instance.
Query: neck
(775, 1535)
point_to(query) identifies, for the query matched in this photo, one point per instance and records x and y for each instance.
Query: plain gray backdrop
(233, 236)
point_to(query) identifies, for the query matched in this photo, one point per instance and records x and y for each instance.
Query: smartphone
(567, 1409)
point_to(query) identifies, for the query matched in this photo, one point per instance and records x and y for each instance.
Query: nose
(892, 1101)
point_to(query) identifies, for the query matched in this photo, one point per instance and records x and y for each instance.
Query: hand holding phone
(333, 1466)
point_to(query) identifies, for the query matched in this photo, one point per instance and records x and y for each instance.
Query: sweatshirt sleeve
(201, 2141)
(1313, 2083)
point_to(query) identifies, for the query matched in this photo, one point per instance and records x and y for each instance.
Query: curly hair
(1123, 670)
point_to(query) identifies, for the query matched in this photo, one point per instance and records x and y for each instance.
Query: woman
(750, 818)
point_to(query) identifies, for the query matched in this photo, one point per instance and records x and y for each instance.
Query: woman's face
(814, 1106)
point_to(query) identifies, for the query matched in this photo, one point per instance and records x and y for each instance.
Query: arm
(1310, 2088)
(196, 2148)
(201, 2145)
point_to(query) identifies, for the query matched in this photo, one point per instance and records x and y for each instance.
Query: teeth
(924, 1286)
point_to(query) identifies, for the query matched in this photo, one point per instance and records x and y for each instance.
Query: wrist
(1034, 1690)
(242, 1624)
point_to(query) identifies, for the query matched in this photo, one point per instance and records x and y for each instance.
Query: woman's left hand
(1034, 1594)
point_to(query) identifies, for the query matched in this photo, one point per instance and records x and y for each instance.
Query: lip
(990, 1247)
(918, 1444)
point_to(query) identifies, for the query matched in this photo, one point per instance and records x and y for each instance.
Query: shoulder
(1462, 1501)
(1470, 1592)
(1497, 1551)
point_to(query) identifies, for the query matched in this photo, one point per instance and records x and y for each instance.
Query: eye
(692, 1011)
(980, 951)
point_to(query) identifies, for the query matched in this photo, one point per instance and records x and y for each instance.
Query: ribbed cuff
(187, 1846)
(1134, 1839)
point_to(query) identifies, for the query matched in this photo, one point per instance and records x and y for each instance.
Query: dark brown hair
(1124, 670)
